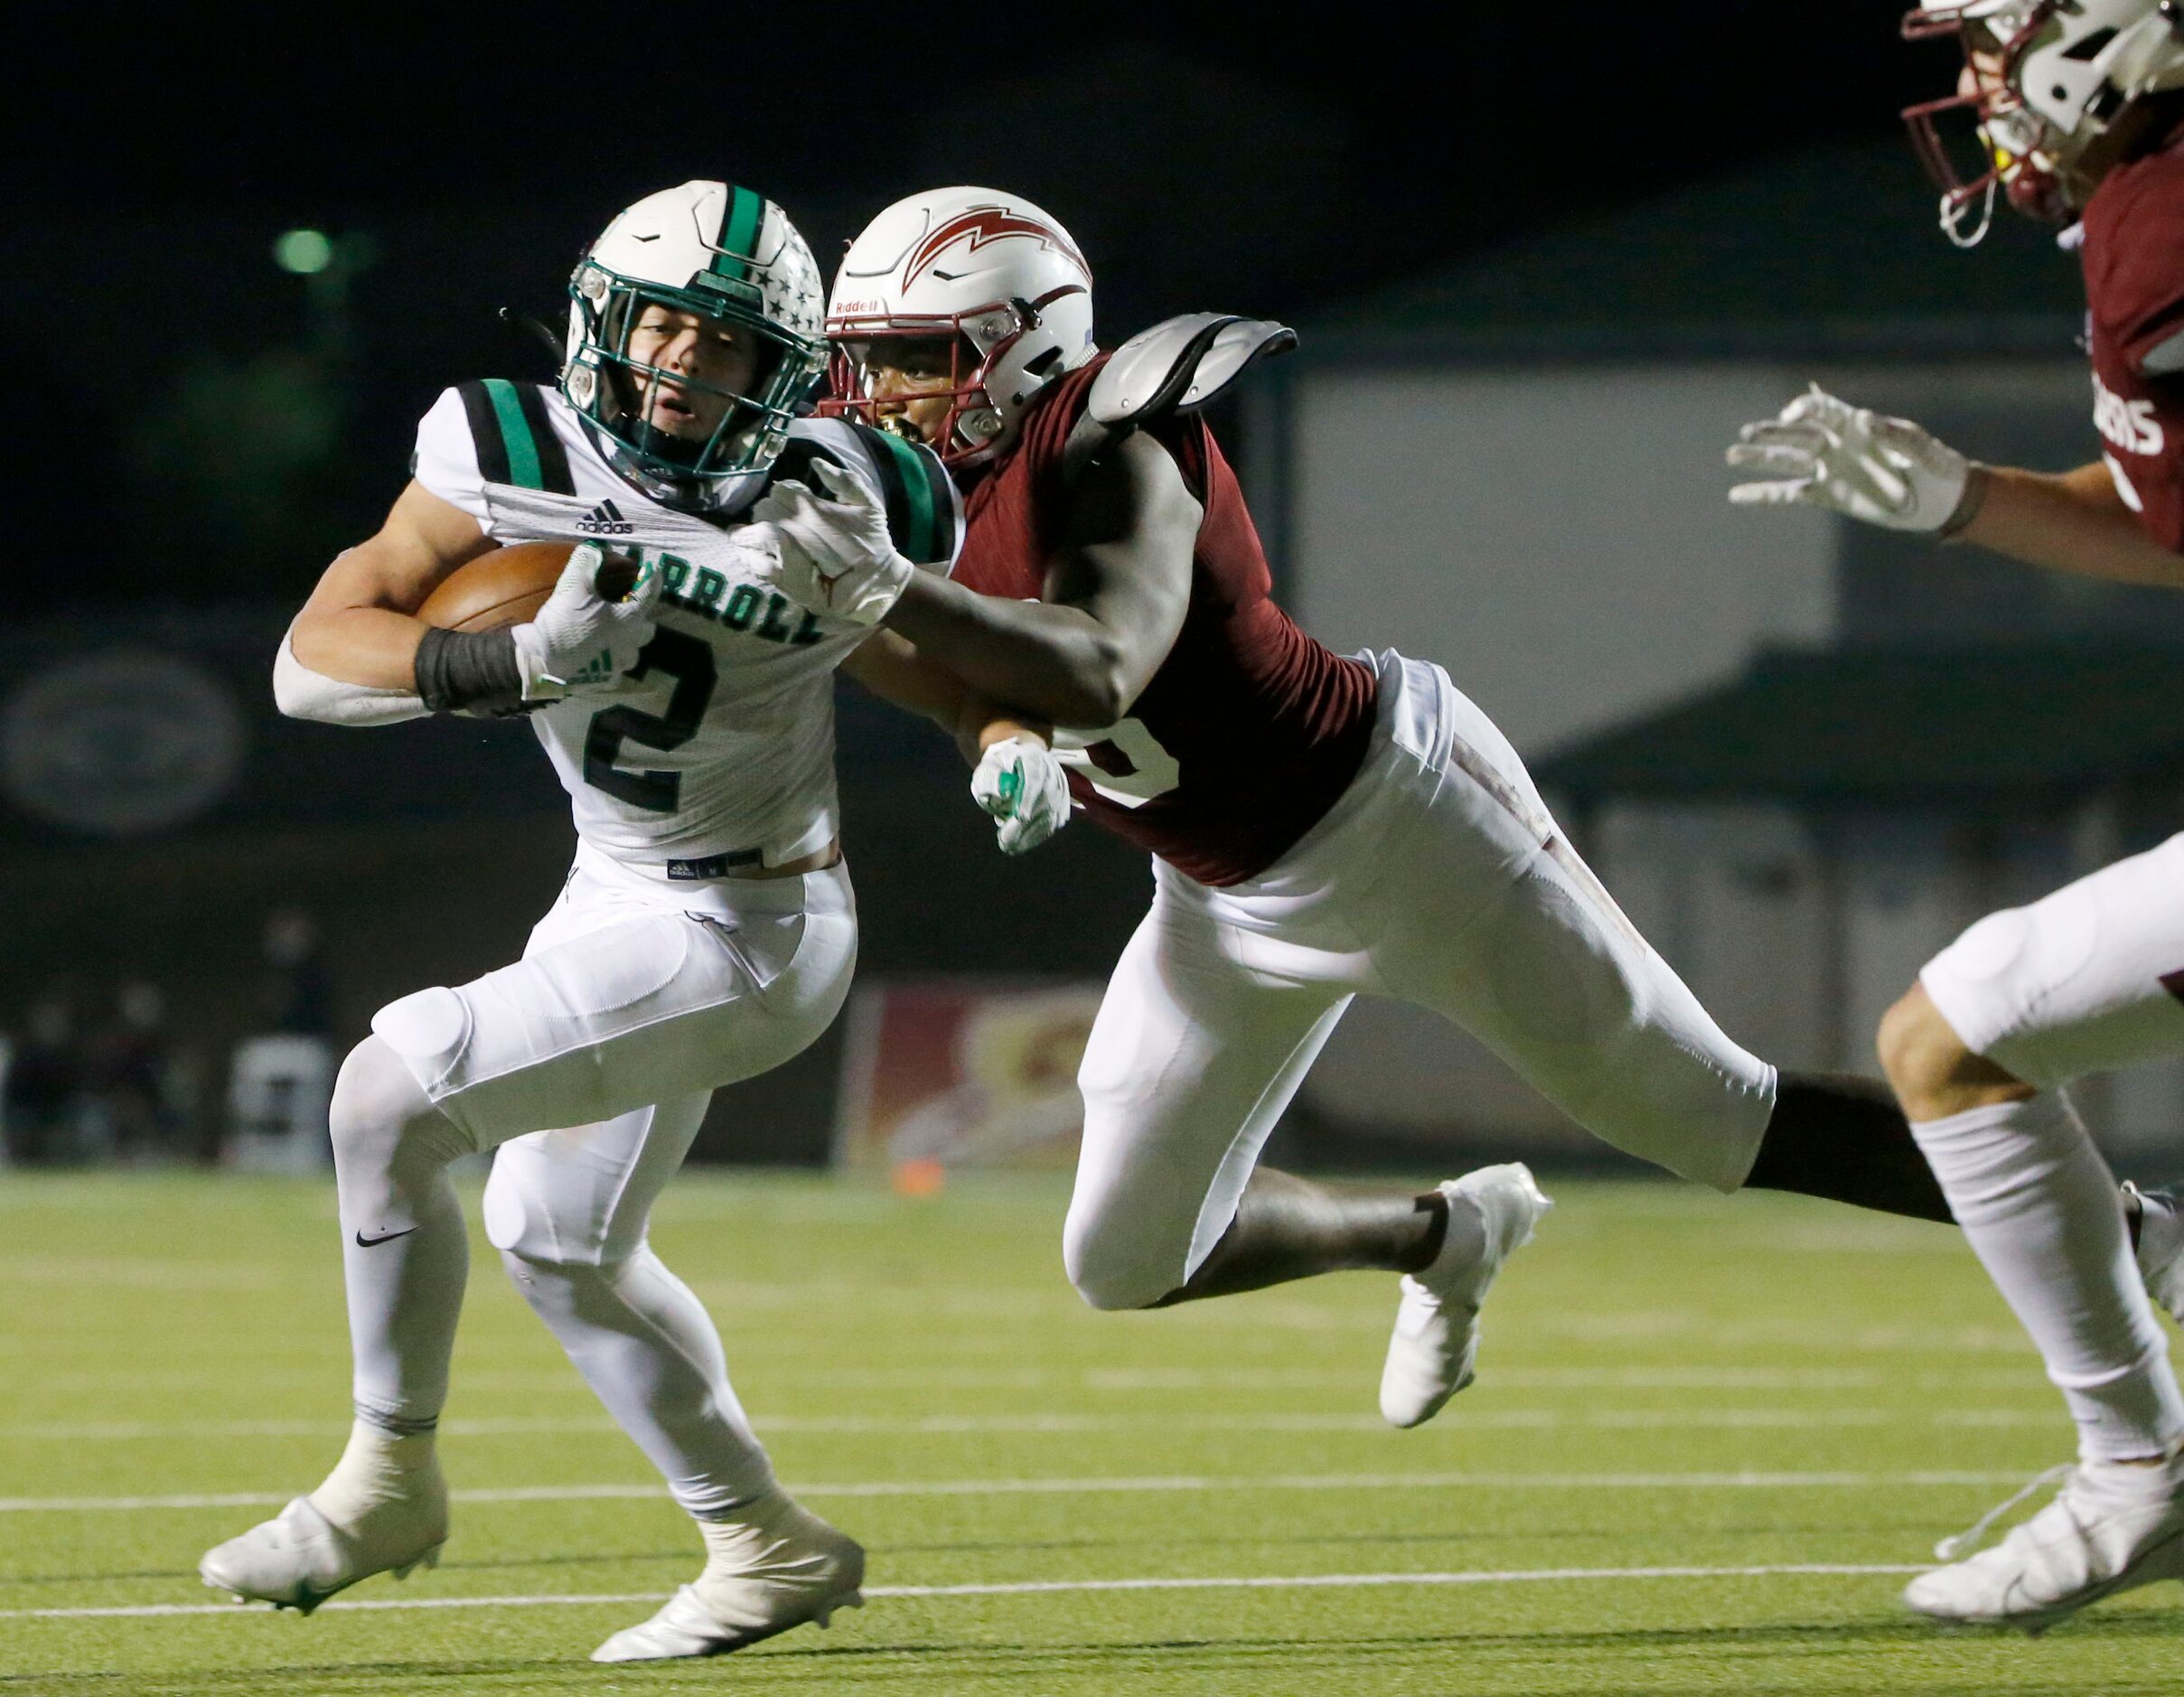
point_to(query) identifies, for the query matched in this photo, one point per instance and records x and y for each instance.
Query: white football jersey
(717, 750)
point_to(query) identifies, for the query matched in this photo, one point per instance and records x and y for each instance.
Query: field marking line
(1154, 1379)
(1039, 1588)
(1121, 1381)
(1033, 1424)
(1096, 1485)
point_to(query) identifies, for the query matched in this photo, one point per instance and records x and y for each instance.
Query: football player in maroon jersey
(2079, 124)
(1320, 826)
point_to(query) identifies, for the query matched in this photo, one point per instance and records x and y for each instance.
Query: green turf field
(1708, 1439)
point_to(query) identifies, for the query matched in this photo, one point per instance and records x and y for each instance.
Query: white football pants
(1440, 879)
(2082, 981)
(588, 1064)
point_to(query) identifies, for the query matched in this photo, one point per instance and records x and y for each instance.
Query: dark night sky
(1440, 125)
(1276, 161)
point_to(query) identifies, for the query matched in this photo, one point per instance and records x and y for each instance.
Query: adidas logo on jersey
(605, 520)
(598, 669)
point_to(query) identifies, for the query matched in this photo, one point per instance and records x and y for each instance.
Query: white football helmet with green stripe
(724, 252)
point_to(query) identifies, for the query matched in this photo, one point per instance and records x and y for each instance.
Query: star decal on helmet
(792, 289)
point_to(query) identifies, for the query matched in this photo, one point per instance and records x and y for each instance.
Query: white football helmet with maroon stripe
(2048, 78)
(990, 272)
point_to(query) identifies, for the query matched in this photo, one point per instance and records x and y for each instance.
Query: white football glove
(1026, 791)
(579, 643)
(836, 557)
(1822, 452)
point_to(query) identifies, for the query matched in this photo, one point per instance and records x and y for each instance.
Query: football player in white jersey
(707, 932)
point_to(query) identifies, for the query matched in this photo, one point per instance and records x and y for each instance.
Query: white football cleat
(2161, 1250)
(299, 1558)
(2112, 1527)
(1437, 1332)
(773, 1567)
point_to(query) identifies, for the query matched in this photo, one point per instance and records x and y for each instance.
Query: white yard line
(1104, 1485)
(1033, 1424)
(1042, 1587)
(1159, 1379)
(812, 1378)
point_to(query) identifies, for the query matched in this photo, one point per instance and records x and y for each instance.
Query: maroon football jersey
(1249, 729)
(2134, 301)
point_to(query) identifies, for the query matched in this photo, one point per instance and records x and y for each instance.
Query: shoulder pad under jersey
(924, 518)
(1178, 366)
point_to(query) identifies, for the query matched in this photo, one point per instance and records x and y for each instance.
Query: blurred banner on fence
(955, 1072)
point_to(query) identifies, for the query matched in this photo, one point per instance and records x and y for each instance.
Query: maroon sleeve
(2134, 274)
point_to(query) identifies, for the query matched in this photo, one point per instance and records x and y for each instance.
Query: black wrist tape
(469, 668)
(1968, 505)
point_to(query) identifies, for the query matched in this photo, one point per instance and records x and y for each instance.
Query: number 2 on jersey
(1125, 763)
(689, 662)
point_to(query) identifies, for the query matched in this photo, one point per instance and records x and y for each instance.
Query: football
(508, 585)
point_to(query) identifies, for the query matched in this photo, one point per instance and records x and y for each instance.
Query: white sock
(378, 1467)
(2041, 1211)
(741, 1539)
(1458, 1272)
(646, 1345)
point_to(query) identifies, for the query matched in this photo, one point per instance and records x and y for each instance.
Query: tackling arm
(1015, 776)
(1115, 599)
(893, 669)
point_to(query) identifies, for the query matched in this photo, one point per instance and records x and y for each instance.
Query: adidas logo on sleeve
(605, 520)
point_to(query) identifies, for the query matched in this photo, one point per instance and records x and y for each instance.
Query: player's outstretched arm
(2071, 521)
(1822, 452)
(893, 669)
(357, 627)
(1014, 778)
(1114, 599)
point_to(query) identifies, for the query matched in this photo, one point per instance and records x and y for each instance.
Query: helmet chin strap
(1955, 214)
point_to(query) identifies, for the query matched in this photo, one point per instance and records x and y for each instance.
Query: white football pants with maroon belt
(1438, 879)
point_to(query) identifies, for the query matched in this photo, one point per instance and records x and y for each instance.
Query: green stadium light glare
(304, 252)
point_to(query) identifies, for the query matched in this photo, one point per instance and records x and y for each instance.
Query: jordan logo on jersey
(2128, 423)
